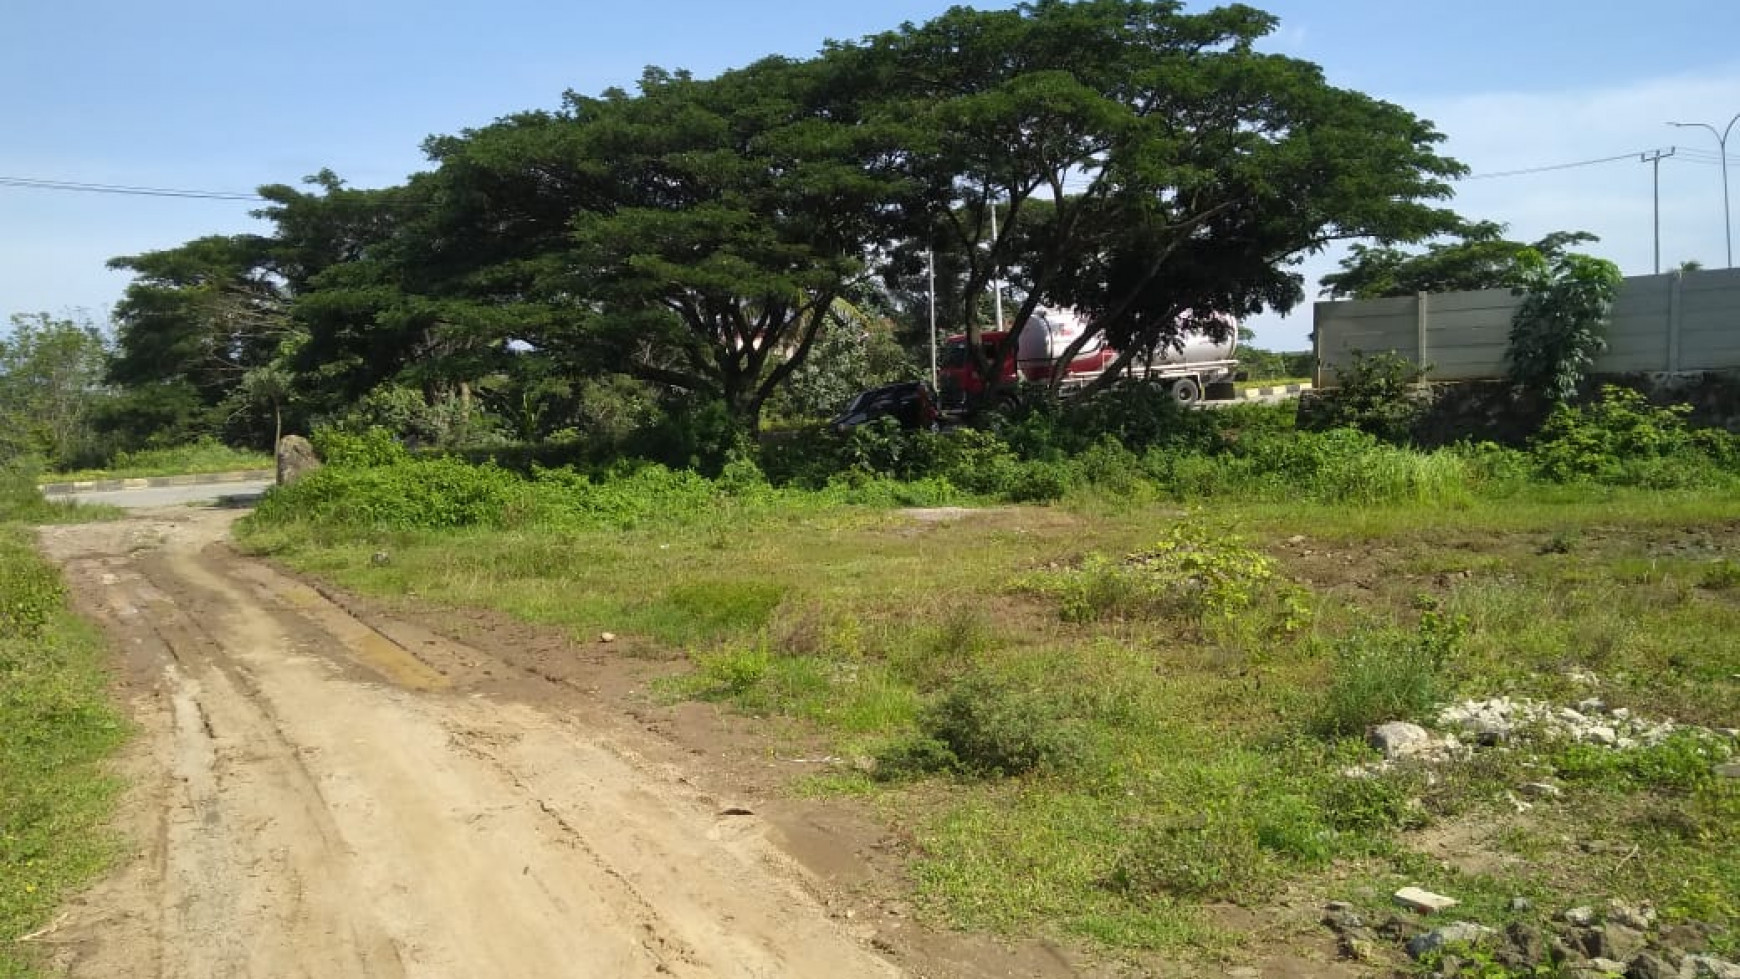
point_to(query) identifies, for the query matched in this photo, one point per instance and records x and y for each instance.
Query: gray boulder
(296, 459)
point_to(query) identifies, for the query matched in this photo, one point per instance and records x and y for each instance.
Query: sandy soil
(318, 795)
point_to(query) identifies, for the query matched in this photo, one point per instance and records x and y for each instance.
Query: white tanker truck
(1202, 367)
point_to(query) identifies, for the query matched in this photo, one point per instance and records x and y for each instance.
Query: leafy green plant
(30, 595)
(57, 729)
(1378, 394)
(1205, 571)
(987, 727)
(1561, 325)
(357, 449)
(1209, 858)
(1621, 439)
(1382, 676)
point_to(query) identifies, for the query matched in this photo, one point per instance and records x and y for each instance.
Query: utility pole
(1655, 157)
(930, 266)
(1722, 144)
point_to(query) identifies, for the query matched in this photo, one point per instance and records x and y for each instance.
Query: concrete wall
(1672, 322)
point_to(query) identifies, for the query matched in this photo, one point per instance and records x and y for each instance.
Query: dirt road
(316, 795)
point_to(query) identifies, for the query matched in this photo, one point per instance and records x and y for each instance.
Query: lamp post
(1721, 144)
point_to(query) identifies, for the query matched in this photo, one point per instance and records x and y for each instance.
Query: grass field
(185, 460)
(1103, 718)
(56, 730)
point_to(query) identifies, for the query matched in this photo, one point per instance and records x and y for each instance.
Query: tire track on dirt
(312, 802)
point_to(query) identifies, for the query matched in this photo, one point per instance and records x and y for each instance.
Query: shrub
(1621, 439)
(1388, 676)
(1376, 393)
(1560, 327)
(726, 673)
(30, 595)
(1213, 858)
(1370, 803)
(1198, 571)
(415, 493)
(989, 728)
(373, 446)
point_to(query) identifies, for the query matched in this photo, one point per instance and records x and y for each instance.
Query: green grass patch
(57, 728)
(205, 456)
(1096, 719)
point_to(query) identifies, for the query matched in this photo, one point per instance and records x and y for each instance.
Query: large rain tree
(698, 234)
(1148, 167)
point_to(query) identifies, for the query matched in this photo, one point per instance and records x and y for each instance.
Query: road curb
(1253, 394)
(147, 482)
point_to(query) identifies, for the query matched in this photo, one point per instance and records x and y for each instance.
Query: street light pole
(1721, 144)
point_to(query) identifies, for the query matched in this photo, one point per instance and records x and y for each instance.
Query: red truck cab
(962, 384)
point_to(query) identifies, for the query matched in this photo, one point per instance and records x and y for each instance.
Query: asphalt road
(155, 496)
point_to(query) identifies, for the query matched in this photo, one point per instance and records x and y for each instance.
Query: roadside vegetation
(57, 729)
(204, 456)
(1109, 716)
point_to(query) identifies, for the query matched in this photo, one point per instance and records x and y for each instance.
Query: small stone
(1358, 949)
(1638, 916)
(1710, 967)
(1651, 966)
(1622, 713)
(1398, 739)
(1727, 770)
(1581, 917)
(1601, 735)
(1731, 733)
(1489, 733)
(1540, 790)
(380, 559)
(1521, 904)
(1243, 972)
(1527, 942)
(1342, 922)
(1616, 941)
(1594, 705)
(607, 637)
(1461, 931)
(1296, 539)
(1338, 906)
(1424, 901)
(1608, 966)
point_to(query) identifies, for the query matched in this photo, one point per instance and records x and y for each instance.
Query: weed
(56, 728)
(1208, 858)
(1384, 675)
(987, 727)
(1721, 575)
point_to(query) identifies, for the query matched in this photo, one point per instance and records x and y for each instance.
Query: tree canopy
(1147, 166)
(1475, 256)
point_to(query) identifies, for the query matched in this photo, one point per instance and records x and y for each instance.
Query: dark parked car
(912, 403)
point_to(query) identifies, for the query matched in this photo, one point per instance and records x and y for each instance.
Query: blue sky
(226, 96)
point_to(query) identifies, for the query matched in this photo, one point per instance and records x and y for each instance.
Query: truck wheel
(1186, 391)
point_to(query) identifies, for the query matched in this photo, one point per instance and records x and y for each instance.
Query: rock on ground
(296, 459)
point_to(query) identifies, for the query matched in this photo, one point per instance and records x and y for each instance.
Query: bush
(1137, 415)
(988, 728)
(1621, 439)
(30, 595)
(1376, 393)
(372, 446)
(1560, 327)
(1214, 858)
(1389, 676)
(1198, 571)
(411, 494)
